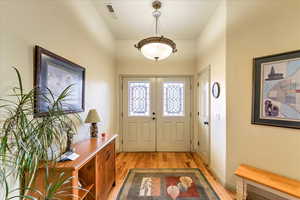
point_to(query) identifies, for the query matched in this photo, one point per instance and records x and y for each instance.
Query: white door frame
(208, 68)
(120, 102)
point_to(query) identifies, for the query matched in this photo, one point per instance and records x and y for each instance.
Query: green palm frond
(25, 141)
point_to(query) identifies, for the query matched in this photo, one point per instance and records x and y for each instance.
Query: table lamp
(93, 118)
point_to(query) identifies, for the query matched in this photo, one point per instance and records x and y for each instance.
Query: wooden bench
(267, 181)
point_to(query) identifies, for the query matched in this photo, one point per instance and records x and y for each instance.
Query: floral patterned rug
(166, 184)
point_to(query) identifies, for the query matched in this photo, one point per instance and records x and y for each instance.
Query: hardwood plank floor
(126, 161)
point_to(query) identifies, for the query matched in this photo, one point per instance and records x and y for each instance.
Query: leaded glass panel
(138, 98)
(173, 99)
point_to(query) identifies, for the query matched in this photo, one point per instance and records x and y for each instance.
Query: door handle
(206, 123)
(153, 118)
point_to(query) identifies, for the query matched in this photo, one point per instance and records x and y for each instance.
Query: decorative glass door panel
(174, 94)
(139, 98)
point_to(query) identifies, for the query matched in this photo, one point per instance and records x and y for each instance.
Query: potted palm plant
(26, 141)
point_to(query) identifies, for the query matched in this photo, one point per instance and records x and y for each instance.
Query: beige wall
(251, 29)
(62, 28)
(211, 48)
(258, 28)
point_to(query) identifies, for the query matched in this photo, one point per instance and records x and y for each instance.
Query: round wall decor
(216, 90)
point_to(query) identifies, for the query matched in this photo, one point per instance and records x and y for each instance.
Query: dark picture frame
(276, 90)
(55, 73)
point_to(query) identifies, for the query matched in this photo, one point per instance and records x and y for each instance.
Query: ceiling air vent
(111, 10)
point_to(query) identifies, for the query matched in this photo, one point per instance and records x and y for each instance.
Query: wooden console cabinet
(94, 169)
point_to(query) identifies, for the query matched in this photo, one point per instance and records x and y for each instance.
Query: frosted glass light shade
(156, 51)
(156, 48)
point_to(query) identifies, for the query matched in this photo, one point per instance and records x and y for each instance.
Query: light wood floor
(126, 161)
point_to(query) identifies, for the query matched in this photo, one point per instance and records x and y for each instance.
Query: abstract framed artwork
(276, 90)
(55, 73)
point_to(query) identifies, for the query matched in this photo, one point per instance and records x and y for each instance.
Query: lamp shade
(92, 117)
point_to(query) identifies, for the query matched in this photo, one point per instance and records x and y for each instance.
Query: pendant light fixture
(157, 47)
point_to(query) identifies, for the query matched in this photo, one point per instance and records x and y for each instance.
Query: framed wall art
(276, 90)
(55, 73)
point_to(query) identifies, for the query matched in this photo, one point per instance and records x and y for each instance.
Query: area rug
(164, 184)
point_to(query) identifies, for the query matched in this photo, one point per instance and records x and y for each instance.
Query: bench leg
(241, 189)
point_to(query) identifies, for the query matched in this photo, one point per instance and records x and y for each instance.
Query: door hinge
(122, 142)
(198, 84)
(191, 114)
(198, 113)
(122, 114)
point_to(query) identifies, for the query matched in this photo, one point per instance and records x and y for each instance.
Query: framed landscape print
(276, 90)
(55, 73)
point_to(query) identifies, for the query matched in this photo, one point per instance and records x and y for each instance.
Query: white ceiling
(181, 19)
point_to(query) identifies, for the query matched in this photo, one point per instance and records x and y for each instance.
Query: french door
(156, 114)
(139, 125)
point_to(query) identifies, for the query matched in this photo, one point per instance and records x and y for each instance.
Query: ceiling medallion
(157, 47)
